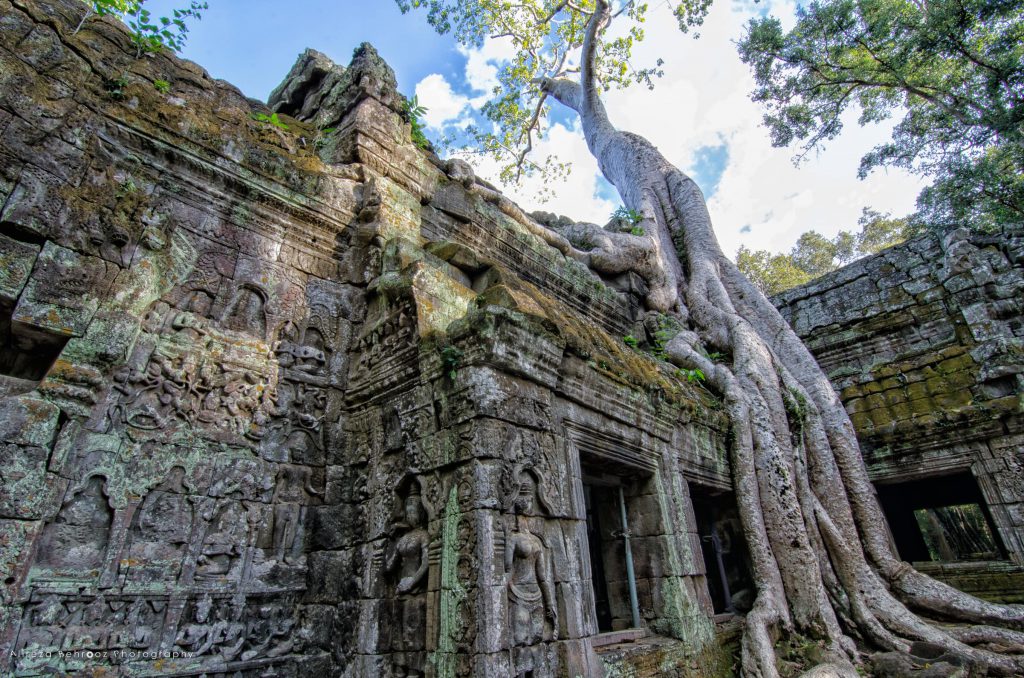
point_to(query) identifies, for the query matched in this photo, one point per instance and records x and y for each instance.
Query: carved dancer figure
(293, 492)
(197, 637)
(531, 596)
(409, 553)
(408, 557)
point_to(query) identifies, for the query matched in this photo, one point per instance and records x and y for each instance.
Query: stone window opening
(26, 353)
(724, 550)
(940, 519)
(617, 553)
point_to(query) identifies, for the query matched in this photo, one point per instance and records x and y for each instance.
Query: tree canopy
(547, 36)
(150, 33)
(954, 70)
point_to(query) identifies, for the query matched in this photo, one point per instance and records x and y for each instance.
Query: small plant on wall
(149, 33)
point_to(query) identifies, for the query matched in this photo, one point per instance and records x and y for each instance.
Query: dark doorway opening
(941, 519)
(602, 605)
(724, 549)
(609, 490)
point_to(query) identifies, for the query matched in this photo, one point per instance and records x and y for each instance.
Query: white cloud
(705, 96)
(576, 197)
(762, 200)
(443, 105)
(482, 64)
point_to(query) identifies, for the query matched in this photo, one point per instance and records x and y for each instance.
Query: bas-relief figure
(270, 633)
(292, 494)
(230, 524)
(217, 628)
(531, 598)
(78, 536)
(162, 527)
(196, 636)
(408, 554)
(229, 630)
(406, 561)
(141, 625)
(247, 312)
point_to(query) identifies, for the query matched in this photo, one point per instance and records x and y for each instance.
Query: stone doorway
(593, 496)
(613, 549)
(723, 549)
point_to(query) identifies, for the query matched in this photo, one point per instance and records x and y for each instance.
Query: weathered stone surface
(272, 411)
(299, 402)
(924, 343)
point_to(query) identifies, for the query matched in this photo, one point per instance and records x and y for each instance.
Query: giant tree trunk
(822, 561)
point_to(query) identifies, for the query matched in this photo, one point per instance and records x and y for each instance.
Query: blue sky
(699, 114)
(255, 47)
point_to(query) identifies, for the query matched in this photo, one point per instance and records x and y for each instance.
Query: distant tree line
(815, 255)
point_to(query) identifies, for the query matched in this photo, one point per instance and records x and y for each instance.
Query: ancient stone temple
(289, 396)
(925, 343)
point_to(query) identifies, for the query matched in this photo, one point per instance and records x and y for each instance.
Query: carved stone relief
(77, 538)
(533, 609)
(293, 493)
(160, 533)
(406, 560)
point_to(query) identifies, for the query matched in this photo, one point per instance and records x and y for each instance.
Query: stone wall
(297, 398)
(294, 396)
(924, 343)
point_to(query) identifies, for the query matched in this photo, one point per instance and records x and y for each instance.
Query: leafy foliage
(451, 358)
(547, 36)
(323, 135)
(772, 273)
(114, 87)
(692, 376)
(162, 86)
(415, 112)
(953, 68)
(271, 119)
(623, 213)
(150, 33)
(815, 255)
(879, 231)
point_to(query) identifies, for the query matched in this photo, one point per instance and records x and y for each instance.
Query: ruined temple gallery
(276, 401)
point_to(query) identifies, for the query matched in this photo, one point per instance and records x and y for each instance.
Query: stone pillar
(1000, 475)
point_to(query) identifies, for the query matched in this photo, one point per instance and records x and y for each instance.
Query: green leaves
(623, 213)
(815, 255)
(415, 112)
(771, 273)
(692, 376)
(546, 37)
(114, 87)
(151, 33)
(451, 358)
(954, 69)
(271, 119)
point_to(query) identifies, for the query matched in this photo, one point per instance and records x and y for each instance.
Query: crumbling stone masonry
(303, 399)
(284, 401)
(925, 344)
